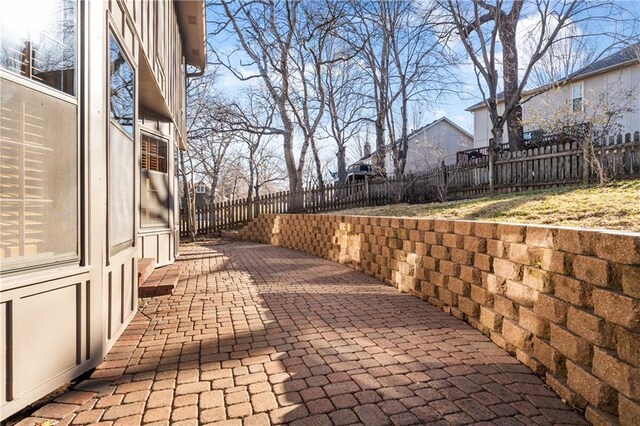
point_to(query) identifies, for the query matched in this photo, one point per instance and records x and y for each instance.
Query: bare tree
(207, 125)
(264, 32)
(422, 66)
(405, 63)
(263, 163)
(318, 26)
(342, 83)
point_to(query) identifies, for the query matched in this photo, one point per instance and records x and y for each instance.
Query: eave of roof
(192, 22)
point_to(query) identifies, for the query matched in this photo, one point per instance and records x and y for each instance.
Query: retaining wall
(565, 301)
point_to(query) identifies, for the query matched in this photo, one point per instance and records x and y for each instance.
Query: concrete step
(161, 282)
(146, 265)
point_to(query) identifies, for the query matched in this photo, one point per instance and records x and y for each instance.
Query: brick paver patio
(256, 334)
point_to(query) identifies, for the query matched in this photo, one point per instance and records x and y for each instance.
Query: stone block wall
(564, 301)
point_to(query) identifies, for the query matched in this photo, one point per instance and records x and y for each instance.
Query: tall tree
(264, 32)
(406, 64)
(318, 26)
(343, 82)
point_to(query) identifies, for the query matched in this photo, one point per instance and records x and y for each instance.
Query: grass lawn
(615, 206)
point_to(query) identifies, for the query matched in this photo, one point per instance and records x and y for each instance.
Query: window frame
(112, 32)
(45, 88)
(144, 131)
(573, 99)
(160, 138)
(78, 100)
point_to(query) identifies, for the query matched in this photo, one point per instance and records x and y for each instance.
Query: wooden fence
(551, 166)
(234, 214)
(556, 165)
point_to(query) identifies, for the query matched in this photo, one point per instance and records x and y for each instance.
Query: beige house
(611, 82)
(92, 117)
(428, 146)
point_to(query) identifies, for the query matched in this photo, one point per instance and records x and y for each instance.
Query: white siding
(613, 85)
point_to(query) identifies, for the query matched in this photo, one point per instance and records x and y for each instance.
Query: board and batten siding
(59, 321)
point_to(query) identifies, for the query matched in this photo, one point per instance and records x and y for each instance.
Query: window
(576, 97)
(154, 154)
(201, 189)
(121, 149)
(38, 135)
(121, 87)
(38, 42)
(154, 192)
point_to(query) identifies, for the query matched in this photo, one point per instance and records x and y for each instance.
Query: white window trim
(581, 84)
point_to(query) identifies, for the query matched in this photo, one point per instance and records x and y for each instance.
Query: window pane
(38, 178)
(577, 104)
(121, 87)
(121, 188)
(38, 41)
(121, 149)
(154, 191)
(577, 91)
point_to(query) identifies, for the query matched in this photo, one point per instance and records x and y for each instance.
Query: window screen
(121, 149)
(38, 134)
(155, 195)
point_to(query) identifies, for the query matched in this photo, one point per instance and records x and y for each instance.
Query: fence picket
(548, 166)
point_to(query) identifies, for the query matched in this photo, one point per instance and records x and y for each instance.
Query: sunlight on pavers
(255, 334)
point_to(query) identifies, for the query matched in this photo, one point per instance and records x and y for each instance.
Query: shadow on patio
(255, 334)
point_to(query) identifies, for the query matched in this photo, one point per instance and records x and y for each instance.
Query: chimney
(367, 149)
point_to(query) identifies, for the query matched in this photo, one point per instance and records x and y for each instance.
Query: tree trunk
(318, 162)
(189, 200)
(507, 34)
(342, 164)
(402, 158)
(378, 159)
(493, 145)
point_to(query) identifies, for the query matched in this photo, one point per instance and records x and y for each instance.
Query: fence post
(492, 159)
(585, 160)
(366, 189)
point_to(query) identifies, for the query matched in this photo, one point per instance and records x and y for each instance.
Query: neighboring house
(428, 146)
(613, 80)
(92, 116)
(203, 196)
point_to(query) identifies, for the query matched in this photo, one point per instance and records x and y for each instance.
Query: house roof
(620, 58)
(422, 129)
(192, 22)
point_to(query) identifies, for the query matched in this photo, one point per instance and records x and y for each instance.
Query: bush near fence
(552, 166)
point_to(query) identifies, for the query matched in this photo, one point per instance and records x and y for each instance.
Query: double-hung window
(154, 192)
(39, 220)
(576, 97)
(121, 148)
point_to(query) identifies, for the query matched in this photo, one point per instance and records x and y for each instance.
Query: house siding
(435, 144)
(548, 104)
(59, 321)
